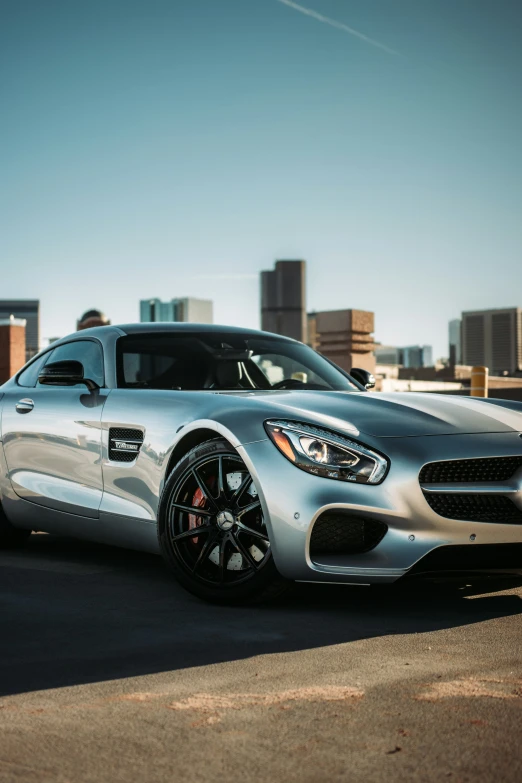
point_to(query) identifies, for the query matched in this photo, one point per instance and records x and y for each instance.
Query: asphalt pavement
(109, 671)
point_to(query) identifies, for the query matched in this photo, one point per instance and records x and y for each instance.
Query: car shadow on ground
(73, 612)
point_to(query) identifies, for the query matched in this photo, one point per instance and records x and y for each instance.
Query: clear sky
(177, 147)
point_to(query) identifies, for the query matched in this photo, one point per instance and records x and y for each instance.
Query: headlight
(326, 453)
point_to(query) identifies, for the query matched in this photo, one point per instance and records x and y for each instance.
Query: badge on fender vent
(124, 444)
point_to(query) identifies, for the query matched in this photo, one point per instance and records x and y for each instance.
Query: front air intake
(124, 444)
(475, 507)
(337, 532)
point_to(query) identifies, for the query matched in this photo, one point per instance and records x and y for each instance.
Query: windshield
(224, 362)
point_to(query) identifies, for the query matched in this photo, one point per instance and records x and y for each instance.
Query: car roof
(168, 326)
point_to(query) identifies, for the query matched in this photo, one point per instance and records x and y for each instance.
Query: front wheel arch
(187, 443)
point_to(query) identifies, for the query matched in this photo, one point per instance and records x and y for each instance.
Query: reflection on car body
(249, 461)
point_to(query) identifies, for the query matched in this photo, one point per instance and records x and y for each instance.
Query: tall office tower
(12, 346)
(344, 337)
(416, 356)
(455, 341)
(28, 309)
(188, 310)
(493, 338)
(409, 356)
(283, 300)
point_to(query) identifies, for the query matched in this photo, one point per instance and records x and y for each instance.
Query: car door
(52, 434)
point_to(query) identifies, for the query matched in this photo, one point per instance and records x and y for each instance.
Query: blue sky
(177, 147)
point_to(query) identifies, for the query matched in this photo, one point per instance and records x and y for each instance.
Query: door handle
(24, 406)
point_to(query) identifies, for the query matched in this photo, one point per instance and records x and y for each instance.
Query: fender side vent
(124, 444)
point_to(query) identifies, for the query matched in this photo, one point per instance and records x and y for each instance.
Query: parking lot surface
(109, 671)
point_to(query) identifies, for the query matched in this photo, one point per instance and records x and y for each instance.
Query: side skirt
(112, 529)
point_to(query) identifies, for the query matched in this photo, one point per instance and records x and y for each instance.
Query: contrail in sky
(338, 25)
(226, 277)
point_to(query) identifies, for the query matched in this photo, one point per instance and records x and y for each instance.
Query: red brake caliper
(198, 501)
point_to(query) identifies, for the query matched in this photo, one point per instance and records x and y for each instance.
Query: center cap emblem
(225, 520)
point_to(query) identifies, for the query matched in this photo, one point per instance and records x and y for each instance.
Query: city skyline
(379, 343)
(210, 139)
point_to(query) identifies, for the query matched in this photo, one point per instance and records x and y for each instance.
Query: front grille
(338, 532)
(474, 508)
(471, 557)
(473, 470)
(131, 437)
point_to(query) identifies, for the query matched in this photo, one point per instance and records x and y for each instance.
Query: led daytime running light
(325, 453)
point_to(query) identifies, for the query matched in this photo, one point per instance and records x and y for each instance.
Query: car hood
(405, 414)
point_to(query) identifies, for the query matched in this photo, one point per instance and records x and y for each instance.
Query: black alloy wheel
(211, 528)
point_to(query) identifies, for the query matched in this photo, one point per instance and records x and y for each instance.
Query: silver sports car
(250, 461)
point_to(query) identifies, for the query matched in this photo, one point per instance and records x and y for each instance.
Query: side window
(88, 352)
(29, 376)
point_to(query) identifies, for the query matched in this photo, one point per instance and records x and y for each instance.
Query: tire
(11, 537)
(221, 552)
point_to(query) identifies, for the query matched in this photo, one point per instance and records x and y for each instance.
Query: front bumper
(293, 500)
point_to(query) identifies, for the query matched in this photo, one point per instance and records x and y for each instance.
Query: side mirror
(367, 379)
(65, 373)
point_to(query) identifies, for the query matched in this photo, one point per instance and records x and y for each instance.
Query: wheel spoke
(221, 479)
(199, 512)
(246, 509)
(222, 547)
(241, 489)
(195, 531)
(254, 533)
(203, 488)
(205, 551)
(246, 554)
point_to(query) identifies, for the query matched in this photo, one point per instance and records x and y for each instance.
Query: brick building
(344, 336)
(12, 346)
(28, 310)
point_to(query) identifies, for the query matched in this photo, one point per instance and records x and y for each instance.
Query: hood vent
(124, 444)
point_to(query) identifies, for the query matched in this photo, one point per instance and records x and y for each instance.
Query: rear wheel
(211, 528)
(11, 536)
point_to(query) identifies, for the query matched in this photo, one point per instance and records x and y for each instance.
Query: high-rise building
(455, 341)
(12, 346)
(493, 338)
(283, 300)
(409, 356)
(188, 310)
(344, 336)
(416, 356)
(29, 310)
